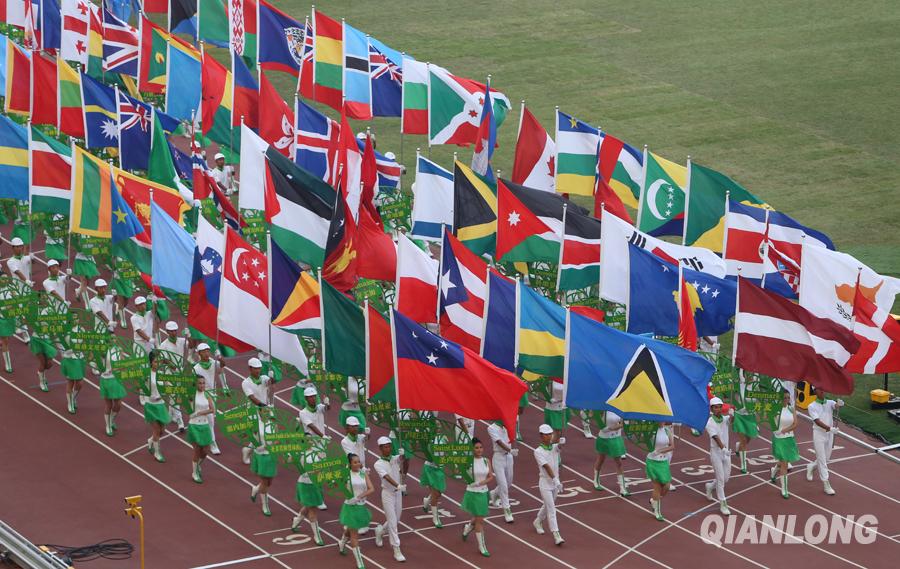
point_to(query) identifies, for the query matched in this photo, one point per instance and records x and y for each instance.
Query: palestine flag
(474, 210)
(529, 223)
(298, 209)
(580, 266)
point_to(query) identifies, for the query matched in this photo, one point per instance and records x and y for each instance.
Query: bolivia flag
(328, 70)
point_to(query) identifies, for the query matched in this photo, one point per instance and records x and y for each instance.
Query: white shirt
(223, 176)
(103, 306)
(357, 447)
(259, 390)
(479, 474)
(144, 323)
(358, 484)
(663, 439)
(154, 396)
(498, 435)
(550, 458)
(468, 423)
(613, 428)
(314, 417)
(22, 265)
(201, 403)
(208, 374)
(56, 286)
(785, 420)
(718, 429)
(388, 467)
(353, 389)
(823, 412)
(557, 402)
(176, 347)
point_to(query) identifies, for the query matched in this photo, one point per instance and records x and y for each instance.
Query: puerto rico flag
(462, 292)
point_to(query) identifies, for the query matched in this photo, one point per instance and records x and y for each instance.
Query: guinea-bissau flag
(91, 195)
(474, 210)
(216, 100)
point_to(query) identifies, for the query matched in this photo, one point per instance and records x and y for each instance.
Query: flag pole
(402, 56)
(687, 202)
(322, 312)
(396, 374)
(566, 352)
(367, 341)
(765, 253)
(600, 279)
(519, 130)
(679, 303)
(428, 104)
(440, 277)
(643, 188)
(725, 225)
(737, 309)
(562, 246)
(269, 281)
(484, 314)
(518, 320)
(69, 261)
(555, 138)
(119, 124)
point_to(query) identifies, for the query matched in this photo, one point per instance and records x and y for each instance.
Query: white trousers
(392, 504)
(503, 470)
(548, 510)
(721, 463)
(823, 442)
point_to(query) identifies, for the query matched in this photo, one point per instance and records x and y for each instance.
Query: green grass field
(796, 101)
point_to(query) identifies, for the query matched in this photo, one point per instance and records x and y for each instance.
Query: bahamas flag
(296, 305)
(542, 333)
(13, 159)
(637, 377)
(91, 195)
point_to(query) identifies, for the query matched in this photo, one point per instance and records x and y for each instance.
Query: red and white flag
(244, 303)
(534, 164)
(417, 277)
(463, 289)
(350, 159)
(76, 17)
(776, 337)
(276, 118)
(879, 336)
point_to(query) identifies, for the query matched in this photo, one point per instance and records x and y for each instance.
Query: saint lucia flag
(637, 377)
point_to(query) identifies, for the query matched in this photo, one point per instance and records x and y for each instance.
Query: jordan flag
(529, 223)
(417, 279)
(534, 164)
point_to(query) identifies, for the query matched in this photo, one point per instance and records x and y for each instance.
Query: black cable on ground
(116, 549)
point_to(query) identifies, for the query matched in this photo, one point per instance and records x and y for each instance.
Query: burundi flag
(661, 211)
(576, 155)
(91, 195)
(13, 159)
(455, 106)
(474, 210)
(529, 223)
(296, 306)
(51, 174)
(637, 377)
(540, 347)
(706, 195)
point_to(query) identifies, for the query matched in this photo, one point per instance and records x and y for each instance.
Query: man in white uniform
(55, 283)
(142, 324)
(821, 411)
(547, 458)
(222, 174)
(502, 461)
(388, 468)
(312, 417)
(172, 343)
(717, 427)
(257, 388)
(354, 442)
(208, 368)
(19, 264)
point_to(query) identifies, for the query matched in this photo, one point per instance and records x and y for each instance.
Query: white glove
(562, 441)
(29, 282)
(839, 403)
(367, 431)
(111, 326)
(68, 271)
(834, 429)
(327, 401)
(514, 452)
(559, 486)
(401, 488)
(351, 501)
(320, 407)
(196, 203)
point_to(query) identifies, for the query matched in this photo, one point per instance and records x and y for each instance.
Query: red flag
(879, 336)
(18, 80)
(350, 164)
(687, 327)
(587, 311)
(379, 350)
(44, 104)
(148, 28)
(417, 277)
(375, 250)
(534, 163)
(369, 180)
(341, 255)
(213, 83)
(276, 118)
(517, 224)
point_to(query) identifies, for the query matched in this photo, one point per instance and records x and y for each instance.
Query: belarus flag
(417, 276)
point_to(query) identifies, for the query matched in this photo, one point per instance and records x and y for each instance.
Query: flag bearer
(312, 417)
(208, 368)
(172, 343)
(200, 431)
(111, 389)
(475, 501)
(351, 406)
(502, 462)
(717, 427)
(389, 468)
(822, 413)
(610, 443)
(657, 466)
(258, 390)
(784, 446)
(143, 323)
(155, 412)
(19, 266)
(310, 497)
(354, 442)
(354, 513)
(84, 267)
(549, 484)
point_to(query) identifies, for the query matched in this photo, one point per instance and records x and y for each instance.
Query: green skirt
(22, 231)
(746, 425)
(263, 465)
(309, 495)
(7, 327)
(200, 435)
(434, 477)
(111, 388)
(342, 418)
(55, 251)
(556, 419)
(476, 503)
(785, 449)
(658, 471)
(40, 346)
(156, 413)
(614, 447)
(72, 368)
(85, 268)
(123, 287)
(355, 517)
(523, 402)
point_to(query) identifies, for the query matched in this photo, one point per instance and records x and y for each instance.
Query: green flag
(344, 333)
(160, 167)
(212, 22)
(662, 200)
(705, 216)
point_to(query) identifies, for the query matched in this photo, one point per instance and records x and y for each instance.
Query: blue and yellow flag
(542, 334)
(13, 159)
(101, 119)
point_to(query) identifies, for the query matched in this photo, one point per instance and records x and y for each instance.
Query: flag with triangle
(621, 166)
(661, 209)
(462, 292)
(296, 306)
(454, 106)
(529, 223)
(474, 210)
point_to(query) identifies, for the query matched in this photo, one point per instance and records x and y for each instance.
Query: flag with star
(529, 223)
(129, 239)
(661, 210)
(454, 107)
(435, 374)
(576, 155)
(343, 332)
(340, 268)
(101, 119)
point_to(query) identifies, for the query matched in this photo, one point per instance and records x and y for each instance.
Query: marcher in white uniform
(208, 368)
(257, 388)
(102, 305)
(610, 443)
(351, 407)
(657, 467)
(503, 462)
(784, 447)
(475, 500)
(19, 264)
(718, 427)
(389, 468)
(56, 281)
(555, 413)
(143, 324)
(43, 347)
(821, 411)
(464, 425)
(549, 484)
(199, 429)
(312, 417)
(223, 174)
(155, 413)
(354, 442)
(355, 513)
(176, 345)
(309, 495)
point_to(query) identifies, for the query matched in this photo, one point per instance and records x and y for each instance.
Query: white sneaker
(507, 516)
(245, 454)
(538, 527)
(557, 539)
(723, 508)
(709, 491)
(363, 531)
(214, 448)
(587, 433)
(809, 470)
(398, 555)
(828, 489)
(322, 506)
(379, 535)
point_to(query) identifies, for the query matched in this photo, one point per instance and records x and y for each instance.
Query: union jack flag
(120, 46)
(135, 120)
(317, 138)
(386, 78)
(379, 66)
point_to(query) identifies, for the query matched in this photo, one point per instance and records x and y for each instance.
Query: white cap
(384, 441)
(219, 156)
(140, 300)
(99, 282)
(202, 346)
(361, 135)
(352, 421)
(52, 263)
(16, 242)
(390, 155)
(545, 429)
(254, 362)
(715, 401)
(172, 326)
(309, 392)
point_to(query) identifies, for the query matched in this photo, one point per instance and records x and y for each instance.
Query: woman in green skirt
(475, 500)
(354, 513)
(72, 368)
(262, 463)
(309, 496)
(784, 447)
(156, 413)
(55, 246)
(746, 427)
(433, 478)
(658, 466)
(44, 349)
(555, 412)
(112, 391)
(85, 269)
(124, 289)
(609, 443)
(199, 431)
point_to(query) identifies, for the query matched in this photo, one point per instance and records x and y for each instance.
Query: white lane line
(144, 446)
(232, 562)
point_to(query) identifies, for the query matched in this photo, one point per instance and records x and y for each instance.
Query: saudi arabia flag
(454, 107)
(662, 197)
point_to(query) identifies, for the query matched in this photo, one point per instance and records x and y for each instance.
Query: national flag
(280, 40)
(576, 155)
(125, 224)
(776, 337)
(415, 97)
(253, 170)
(184, 164)
(213, 21)
(541, 330)
(462, 292)
(661, 209)
(184, 69)
(432, 200)
(621, 166)
(350, 164)
(173, 252)
(879, 336)
(379, 369)
(454, 106)
(606, 198)
(13, 159)
(388, 169)
(529, 223)
(369, 179)
(616, 235)
(121, 45)
(417, 280)
(580, 260)
(50, 174)
(76, 17)
(305, 75)
(296, 306)
(485, 140)
(183, 17)
(687, 326)
(534, 163)
(318, 140)
(91, 195)
(101, 119)
(30, 40)
(328, 65)
(276, 118)
(95, 43)
(45, 84)
(152, 56)
(637, 377)
(18, 80)
(71, 116)
(244, 304)
(499, 343)
(12, 12)
(705, 217)
(357, 88)
(224, 205)
(160, 164)
(246, 97)
(341, 254)
(343, 331)
(386, 79)
(298, 209)
(135, 124)
(216, 101)
(242, 28)
(50, 23)
(137, 192)
(376, 253)
(474, 210)
(434, 374)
